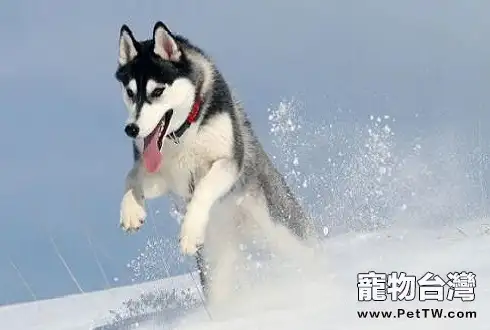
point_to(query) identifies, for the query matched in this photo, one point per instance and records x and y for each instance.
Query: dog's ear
(128, 46)
(165, 45)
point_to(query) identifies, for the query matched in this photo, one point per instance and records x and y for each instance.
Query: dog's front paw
(191, 236)
(133, 213)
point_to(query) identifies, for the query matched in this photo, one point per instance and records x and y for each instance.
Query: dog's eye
(157, 92)
(130, 93)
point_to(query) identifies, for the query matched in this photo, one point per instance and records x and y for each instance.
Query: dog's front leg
(139, 186)
(216, 183)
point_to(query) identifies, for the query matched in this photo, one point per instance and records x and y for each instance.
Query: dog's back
(260, 173)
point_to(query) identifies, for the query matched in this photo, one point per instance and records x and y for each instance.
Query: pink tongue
(151, 154)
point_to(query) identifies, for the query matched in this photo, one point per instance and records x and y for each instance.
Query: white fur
(193, 152)
(130, 105)
(132, 86)
(151, 85)
(217, 182)
(132, 212)
(179, 96)
(132, 205)
(127, 50)
(222, 249)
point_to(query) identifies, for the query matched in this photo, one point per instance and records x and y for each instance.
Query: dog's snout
(132, 130)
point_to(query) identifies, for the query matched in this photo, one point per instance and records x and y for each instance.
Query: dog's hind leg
(223, 253)
(222, 279)
(279, 237)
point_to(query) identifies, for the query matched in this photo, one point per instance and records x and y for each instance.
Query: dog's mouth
(152, 150)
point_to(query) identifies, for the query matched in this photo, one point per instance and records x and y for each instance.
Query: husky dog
(191, 138)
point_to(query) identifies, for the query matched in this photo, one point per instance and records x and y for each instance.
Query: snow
(381, 207)
(323, 295)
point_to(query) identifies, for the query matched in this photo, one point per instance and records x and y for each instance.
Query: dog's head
(156, 87)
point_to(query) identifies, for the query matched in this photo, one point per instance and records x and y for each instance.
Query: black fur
(221, 101)
(202, 268)
(147, 65)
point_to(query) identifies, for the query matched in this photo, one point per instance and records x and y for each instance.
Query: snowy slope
(395, 208)
(322, 296)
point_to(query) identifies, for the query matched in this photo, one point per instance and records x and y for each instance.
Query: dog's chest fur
(185, 163)
(182, 167)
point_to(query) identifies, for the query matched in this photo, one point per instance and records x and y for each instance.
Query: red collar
(191, 118)
(194, 114)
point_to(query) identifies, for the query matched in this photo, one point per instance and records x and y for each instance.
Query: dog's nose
(132, 130)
